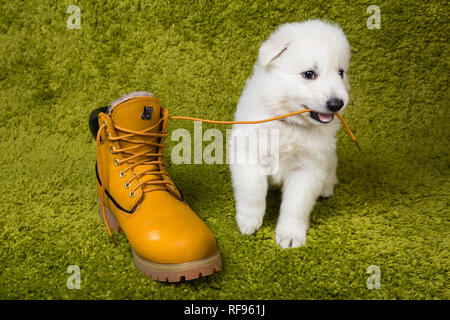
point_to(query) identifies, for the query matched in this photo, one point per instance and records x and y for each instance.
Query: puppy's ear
(270, 50)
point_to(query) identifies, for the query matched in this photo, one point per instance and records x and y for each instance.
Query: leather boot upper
(150, 209)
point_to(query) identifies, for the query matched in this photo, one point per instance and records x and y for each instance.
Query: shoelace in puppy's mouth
(271, 119)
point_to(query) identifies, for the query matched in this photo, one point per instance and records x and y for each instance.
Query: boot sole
(170, 272)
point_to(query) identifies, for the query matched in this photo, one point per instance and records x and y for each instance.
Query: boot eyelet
(112, 149)
(117, 162)
(126, 185)
(132, 193)
(122, 174)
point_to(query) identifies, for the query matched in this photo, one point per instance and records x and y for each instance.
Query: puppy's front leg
(300, 191)
(331, 179)
(250, 190)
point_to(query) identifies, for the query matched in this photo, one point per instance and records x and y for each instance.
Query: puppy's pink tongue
(325, 117)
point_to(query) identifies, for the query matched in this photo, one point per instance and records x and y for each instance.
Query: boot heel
(113, 223)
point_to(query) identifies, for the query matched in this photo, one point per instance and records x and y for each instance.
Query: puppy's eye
(341, 73)
(309, 75)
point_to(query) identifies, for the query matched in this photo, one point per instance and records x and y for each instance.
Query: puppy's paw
(327, 192)
(328, 187)
(323, 198)
(248, 224)
(291, 235)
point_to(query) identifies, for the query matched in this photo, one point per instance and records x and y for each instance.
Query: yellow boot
(170, 242)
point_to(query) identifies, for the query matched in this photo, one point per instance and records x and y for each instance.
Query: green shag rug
(391, 208)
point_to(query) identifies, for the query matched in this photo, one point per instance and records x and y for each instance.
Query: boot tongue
(137, 113)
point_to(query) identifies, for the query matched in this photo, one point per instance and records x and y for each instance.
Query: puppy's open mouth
(322, 117)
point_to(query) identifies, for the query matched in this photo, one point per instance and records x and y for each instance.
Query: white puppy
(301, 65)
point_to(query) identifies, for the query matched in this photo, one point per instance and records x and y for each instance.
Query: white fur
(307, 148)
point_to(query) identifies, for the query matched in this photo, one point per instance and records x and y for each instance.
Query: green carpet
(391, 208)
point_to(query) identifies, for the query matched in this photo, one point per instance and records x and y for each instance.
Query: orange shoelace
(146, 156)
(268, 120)
(133, 158)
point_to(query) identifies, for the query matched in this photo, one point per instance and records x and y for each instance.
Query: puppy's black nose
(335, 104)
